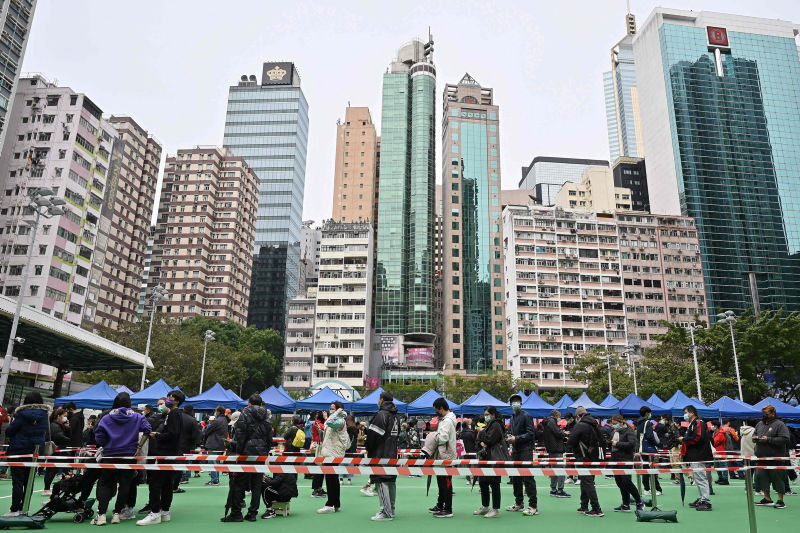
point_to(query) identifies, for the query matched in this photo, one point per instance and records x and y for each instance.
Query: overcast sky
(169, 63)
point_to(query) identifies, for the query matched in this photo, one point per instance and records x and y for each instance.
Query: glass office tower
(720, 102)
(473, 267)
(267, 124)
(405, 277)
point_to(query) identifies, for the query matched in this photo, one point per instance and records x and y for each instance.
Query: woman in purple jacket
(118, 434)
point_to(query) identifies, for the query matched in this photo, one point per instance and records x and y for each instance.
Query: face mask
(765, 418)
(332, 411)
(516, 406)
(63, 419)
(686, 416)
(488, 418)
(162, 408)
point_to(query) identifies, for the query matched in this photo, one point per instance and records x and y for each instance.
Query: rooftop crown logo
(277, 73)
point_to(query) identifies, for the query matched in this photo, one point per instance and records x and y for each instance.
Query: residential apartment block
(16, 18)
(354, 179)
(205, 235)
(298, 348)
(595, 192)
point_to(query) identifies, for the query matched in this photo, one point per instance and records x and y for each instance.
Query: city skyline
(554, 122)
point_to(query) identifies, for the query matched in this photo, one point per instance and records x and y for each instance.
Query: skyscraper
(473, 264)
(405, 279)
(267, 124)
(720, 97)
(622, 99)
(354, 178)
(16, 17)
(545, 175)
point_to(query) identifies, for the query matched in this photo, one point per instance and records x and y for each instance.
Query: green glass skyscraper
(405, 278)
(720, 103)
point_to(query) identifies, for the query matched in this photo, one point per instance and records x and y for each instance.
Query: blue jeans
(722, 475)
(213, 474)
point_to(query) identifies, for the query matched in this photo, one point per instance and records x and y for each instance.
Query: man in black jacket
(522, 438)
(552, 436)
(382, 434)
(252, 435)
(76, 424)
(191, 435)
(586, 444)
(696, 449)
(214, 440)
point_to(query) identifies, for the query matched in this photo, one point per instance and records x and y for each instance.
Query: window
(73, 100)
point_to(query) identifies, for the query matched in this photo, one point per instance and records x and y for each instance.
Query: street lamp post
(728, 317)
(159, 293)
(630, 352)
(43, 205)
(209, 336)
(608, 364)
(692, 328)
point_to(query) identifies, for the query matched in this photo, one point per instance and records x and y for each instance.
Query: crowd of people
(170, 428)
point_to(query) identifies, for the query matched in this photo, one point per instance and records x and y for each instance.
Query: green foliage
(245, 360)
(500, 384)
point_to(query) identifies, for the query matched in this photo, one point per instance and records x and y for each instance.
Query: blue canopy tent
(151, 394)
(535, 406)
(210, 399)
(369, 403)
(679, 400)
(594, 409)
(123, 388)
(610, 401)
(563, 403)
(478, 403)
(233, 396)
(98, 396)
(522, 395)
(277, 401)
(730, 408)
(655, 400)
(424, 404)
(630, 406)
(319, 401)
(784, 410)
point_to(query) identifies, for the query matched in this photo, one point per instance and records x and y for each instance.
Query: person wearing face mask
(772, 440)
(522, 438)
(381, 442)
(445, 440)
(492, 447)
(587, 445)
(623, 445)
(335, 442)
(648, 445)
(696, 450)
(552, 436)
(60, 435)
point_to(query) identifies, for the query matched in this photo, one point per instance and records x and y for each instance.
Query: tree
(499, 383)
(592, 369)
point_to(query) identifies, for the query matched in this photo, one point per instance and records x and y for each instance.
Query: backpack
(732, 441)
(299, 439)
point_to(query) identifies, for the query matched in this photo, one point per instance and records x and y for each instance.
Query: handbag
(49, 448)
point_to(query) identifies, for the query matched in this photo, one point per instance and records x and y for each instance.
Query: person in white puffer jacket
(445, 449)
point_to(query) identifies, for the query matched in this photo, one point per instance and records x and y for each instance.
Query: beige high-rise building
(596, 192)
(354, 180)
(205, 231)
(133, 175)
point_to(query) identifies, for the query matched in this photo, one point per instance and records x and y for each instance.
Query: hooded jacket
(215, 434)
(335, 439)
(253, 431)
(746, 437)
(552, 436)
(493, 435)
(118, 432)
(777, 438)
(585, 440)
(76, 425)
(28, 428)
(521, 427)
(58, 435)
(625, 444)
(382, 432)
(446, 437)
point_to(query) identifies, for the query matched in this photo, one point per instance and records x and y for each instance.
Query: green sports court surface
(200, 507)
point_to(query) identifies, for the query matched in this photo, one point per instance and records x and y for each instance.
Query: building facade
(267, 124)
(298, 349)
(16, 17)
(719, 98)
(631, 173)
(354, 184)
(473, 314)
(309, 256)
(205, 233)
(343, 325)
(596, 192)
(56, 138)
(404, 293)
(133, 175)
(546, 175)
(622, 99)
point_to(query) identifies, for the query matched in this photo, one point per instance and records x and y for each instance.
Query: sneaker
(319, 494)
(98, 520)
(368, 492)
(765, 502)
(435, 509)
(694, 503)
(622, 509)
(233, 517)
(251, 516)
(562, 494)
(326, 509)
(184, 482)
(269, 513)
(443, 514)
(47, 492)
(211, 483)
(570, 480)
(582, 510)
(144, 510)
(166, 516)
(493, 513)
(791, 493)
(722, 482)
(150, 519)
(12, 513)
(703, 506)
(480, 511)
(530, 511)
(514, 508)
(595, 512)
(127, 514)
(640, 506)
(115, 519)
(554, 493)
(178, 491)
(380, 517)
(647, 493)
(349, 481)
(577, 481)
(779, 505)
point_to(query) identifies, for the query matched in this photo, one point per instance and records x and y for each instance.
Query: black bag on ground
(656, 516)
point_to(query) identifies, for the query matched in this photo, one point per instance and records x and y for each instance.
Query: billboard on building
(420, 357)
(277, 73)
(391, 349)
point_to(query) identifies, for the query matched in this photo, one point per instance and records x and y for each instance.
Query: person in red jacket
(719, 447)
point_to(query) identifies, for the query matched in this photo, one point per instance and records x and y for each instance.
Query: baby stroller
(65, 499)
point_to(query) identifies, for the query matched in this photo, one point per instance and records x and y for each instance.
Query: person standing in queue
(552, 437)
(382, 433)
(445, 449)
(623, 446)
(492, 447)
(335, 442)
(587, 445)
(522, 439)
(696, 450)
(25, 433)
